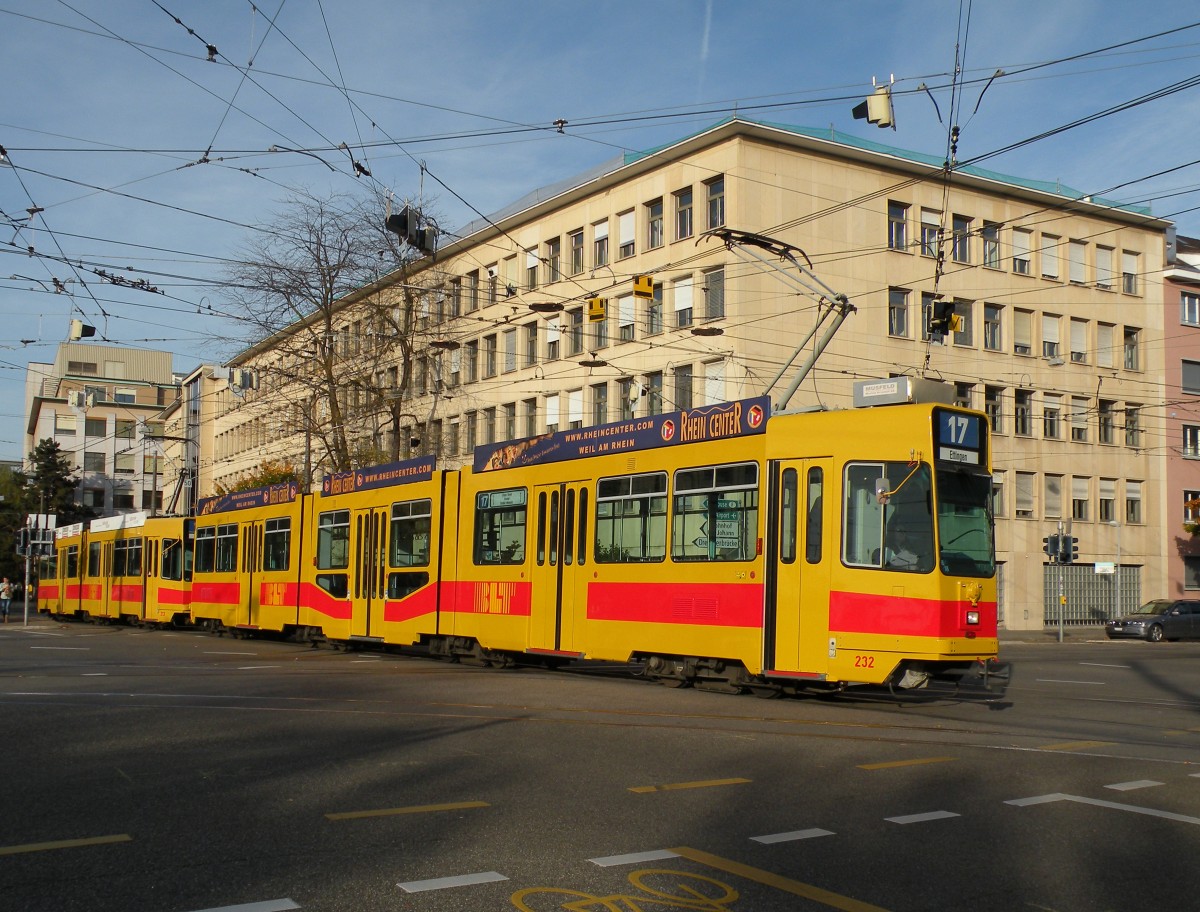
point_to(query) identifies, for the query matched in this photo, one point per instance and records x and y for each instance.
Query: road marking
(1048, 799)
(1130, 786)
(64, 844)
(64, 648)
(922, 818)
(1074, 745)
(633, 858)
(269, 905)
(795, 887)
(209, 653)
(415, 809)
(1061, 681)
(256, 667)
(1102, 665)
(94, 674)
(706, 783)
(792, 836)
(443, 883)
(895, 763)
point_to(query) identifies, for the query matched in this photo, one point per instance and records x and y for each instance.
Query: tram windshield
(965, 543)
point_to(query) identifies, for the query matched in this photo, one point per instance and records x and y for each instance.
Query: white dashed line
(445, 883)
(633, 858)
(922, 818)
(792, 836)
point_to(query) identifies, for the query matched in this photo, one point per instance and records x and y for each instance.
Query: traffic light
(405, 225)
(1069, 550)
(943, 319)
(1051, 545)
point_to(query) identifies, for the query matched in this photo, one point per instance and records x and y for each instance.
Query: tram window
(631, 518)
(333, 541)
(541, 529)
(569, 527)
(227, 548)
(118, 560)
(402, 585)
(335, 584)
(787, 517)
(133, 557)
(892, 535)
(581, 555)
(172, 559)
(277, 543)
(93, 562)
(965, 522)
(715, 513)
(72, 565)
(410, 534)
(815, 515)
(500, 519)
(206, 549)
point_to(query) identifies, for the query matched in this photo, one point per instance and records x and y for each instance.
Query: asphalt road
(172, 771)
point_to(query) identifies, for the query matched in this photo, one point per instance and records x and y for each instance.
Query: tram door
(805, 542)
(247, 612)
(368, 587)
(559, 561)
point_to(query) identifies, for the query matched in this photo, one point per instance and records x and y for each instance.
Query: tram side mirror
(882, 492)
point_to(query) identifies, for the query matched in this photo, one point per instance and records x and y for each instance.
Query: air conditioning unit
(77, 399)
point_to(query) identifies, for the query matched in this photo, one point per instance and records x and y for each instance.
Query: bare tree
(330, 317)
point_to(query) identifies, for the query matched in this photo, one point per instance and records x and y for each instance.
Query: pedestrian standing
(6, 590)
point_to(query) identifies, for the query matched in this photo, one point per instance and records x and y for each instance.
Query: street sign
(1106, 567)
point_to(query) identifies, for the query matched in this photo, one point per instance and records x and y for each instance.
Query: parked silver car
(1159, 619)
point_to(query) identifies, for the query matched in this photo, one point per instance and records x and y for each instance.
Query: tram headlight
(972, 618)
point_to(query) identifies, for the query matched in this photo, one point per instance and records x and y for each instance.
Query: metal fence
(1091, 598)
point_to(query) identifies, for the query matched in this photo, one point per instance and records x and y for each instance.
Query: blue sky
(110, 107)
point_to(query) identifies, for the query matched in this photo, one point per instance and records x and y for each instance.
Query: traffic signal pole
(1062, 598)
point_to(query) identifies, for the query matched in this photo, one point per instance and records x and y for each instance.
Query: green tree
(269, 472)
(49, 486)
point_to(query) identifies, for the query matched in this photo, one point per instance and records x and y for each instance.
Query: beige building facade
(1059, 334)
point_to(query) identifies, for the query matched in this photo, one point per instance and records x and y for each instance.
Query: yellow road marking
(642, 789)
(1074, 745)
(893, 763)
(795, 887)
(63, 844)
(416, 809)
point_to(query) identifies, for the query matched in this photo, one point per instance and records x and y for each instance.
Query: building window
(489, 424)
(928, 299)
(600, 332)
(489, 356)
(600, 244)
(1106, 411)
(898, 312)
(95, 427)
(1050, 256)
(1189, 308)
(991, 245)
(122, 500)
(1050, 340)
(1025, 494)
(654, 311)
(1052, 496)
(1077, 253)
(64, 424)
(510, 349)
(152, 500)
(1133, 430)
(993, 338)
(1022, 332)
(1078, 341)
(575, 241)
(471, 360)
(897, 225)
(714, 382)
(714, 293)
(1191, 441)
(683, 386)
(1081, 497)
(1107, 503)
(683, 303)
(931, 227)
(575, 409)
(94, 462)
(1190, 371)
(654, 224)
(1051, 417)
(965, 311)
(470, 420)
(961, 247)
(1023, 413)
(472, 290)
(152, 465)
(626, 236)
(531, 414)
(531, 269)
(553, 259)
(552, 413)
(993, 399)
(998, 494)
(654, 393)
(963, 394)
(510, 420)
(683, 213)
(553, 337)
(1191, 506)
(575, 333)
(715, 194)
(126, 464)
(600, 403)
(1105, 333)
(1130, 345)
(1104, 268)
(125, 428)
(1129, 272)
(1020, 251)
(626, 317)
(1133, 502)
(93, 497)
(531, 344)
(493, 282)
(1079, 419)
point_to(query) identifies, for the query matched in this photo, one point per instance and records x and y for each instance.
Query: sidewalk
(1050, 635)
